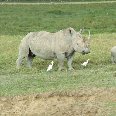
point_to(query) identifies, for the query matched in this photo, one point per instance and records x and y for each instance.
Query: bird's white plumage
(50, 66)
(85, 63)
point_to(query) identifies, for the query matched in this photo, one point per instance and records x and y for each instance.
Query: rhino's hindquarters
(113, 54)
(113, 58)
(24, 52)
(30, 58)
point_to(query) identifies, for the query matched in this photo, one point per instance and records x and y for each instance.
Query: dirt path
(101, 2)
(84, 102)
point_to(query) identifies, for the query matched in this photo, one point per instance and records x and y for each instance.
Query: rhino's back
(44, 44)
(44, 37)
(48, 41)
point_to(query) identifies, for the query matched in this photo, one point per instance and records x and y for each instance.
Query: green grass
(21, 19)
(51, 0)
(99, 72)
(17, 20)
(112, 105)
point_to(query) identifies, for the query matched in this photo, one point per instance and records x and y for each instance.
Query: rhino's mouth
(83, 52)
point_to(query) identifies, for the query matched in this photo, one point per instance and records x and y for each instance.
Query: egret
(50, 66)
(85, 63)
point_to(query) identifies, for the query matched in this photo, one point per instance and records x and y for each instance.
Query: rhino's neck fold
(69, 54)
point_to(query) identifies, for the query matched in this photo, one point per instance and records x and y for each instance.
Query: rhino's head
(79, 43)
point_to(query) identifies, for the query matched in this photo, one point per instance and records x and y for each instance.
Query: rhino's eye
(77, 44)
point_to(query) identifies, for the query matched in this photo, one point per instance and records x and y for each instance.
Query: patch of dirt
(83, 102)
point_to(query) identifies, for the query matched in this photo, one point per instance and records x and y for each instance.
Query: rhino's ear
(71, 31)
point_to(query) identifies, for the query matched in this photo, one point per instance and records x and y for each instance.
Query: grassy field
(21, 19)
(17, 20)
(51, 0)
(99, 73)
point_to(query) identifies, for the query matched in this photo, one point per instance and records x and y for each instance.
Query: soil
(83, 102)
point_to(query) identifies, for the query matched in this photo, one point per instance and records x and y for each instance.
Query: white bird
(50, 66)
(85, 63)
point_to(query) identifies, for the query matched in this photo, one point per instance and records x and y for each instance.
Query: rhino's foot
(113, 63)
(60, 69)
(29, 66)
(71, 69)
(17, 67)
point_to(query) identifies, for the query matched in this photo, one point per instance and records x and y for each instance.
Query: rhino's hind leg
(113, 59)
(29, 61)
(19, 61)
(30, 58)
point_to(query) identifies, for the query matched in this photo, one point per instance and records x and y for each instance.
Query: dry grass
(83, 102)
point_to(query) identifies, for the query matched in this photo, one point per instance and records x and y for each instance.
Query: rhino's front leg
(69, 63)
(60, 58)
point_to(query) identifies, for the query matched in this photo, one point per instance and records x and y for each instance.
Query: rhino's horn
(81, 30)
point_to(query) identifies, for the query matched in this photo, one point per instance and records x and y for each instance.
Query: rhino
(113, 55)
(60, 45)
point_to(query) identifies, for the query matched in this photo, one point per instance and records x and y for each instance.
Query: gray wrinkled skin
(113, 55)
(60, 45)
